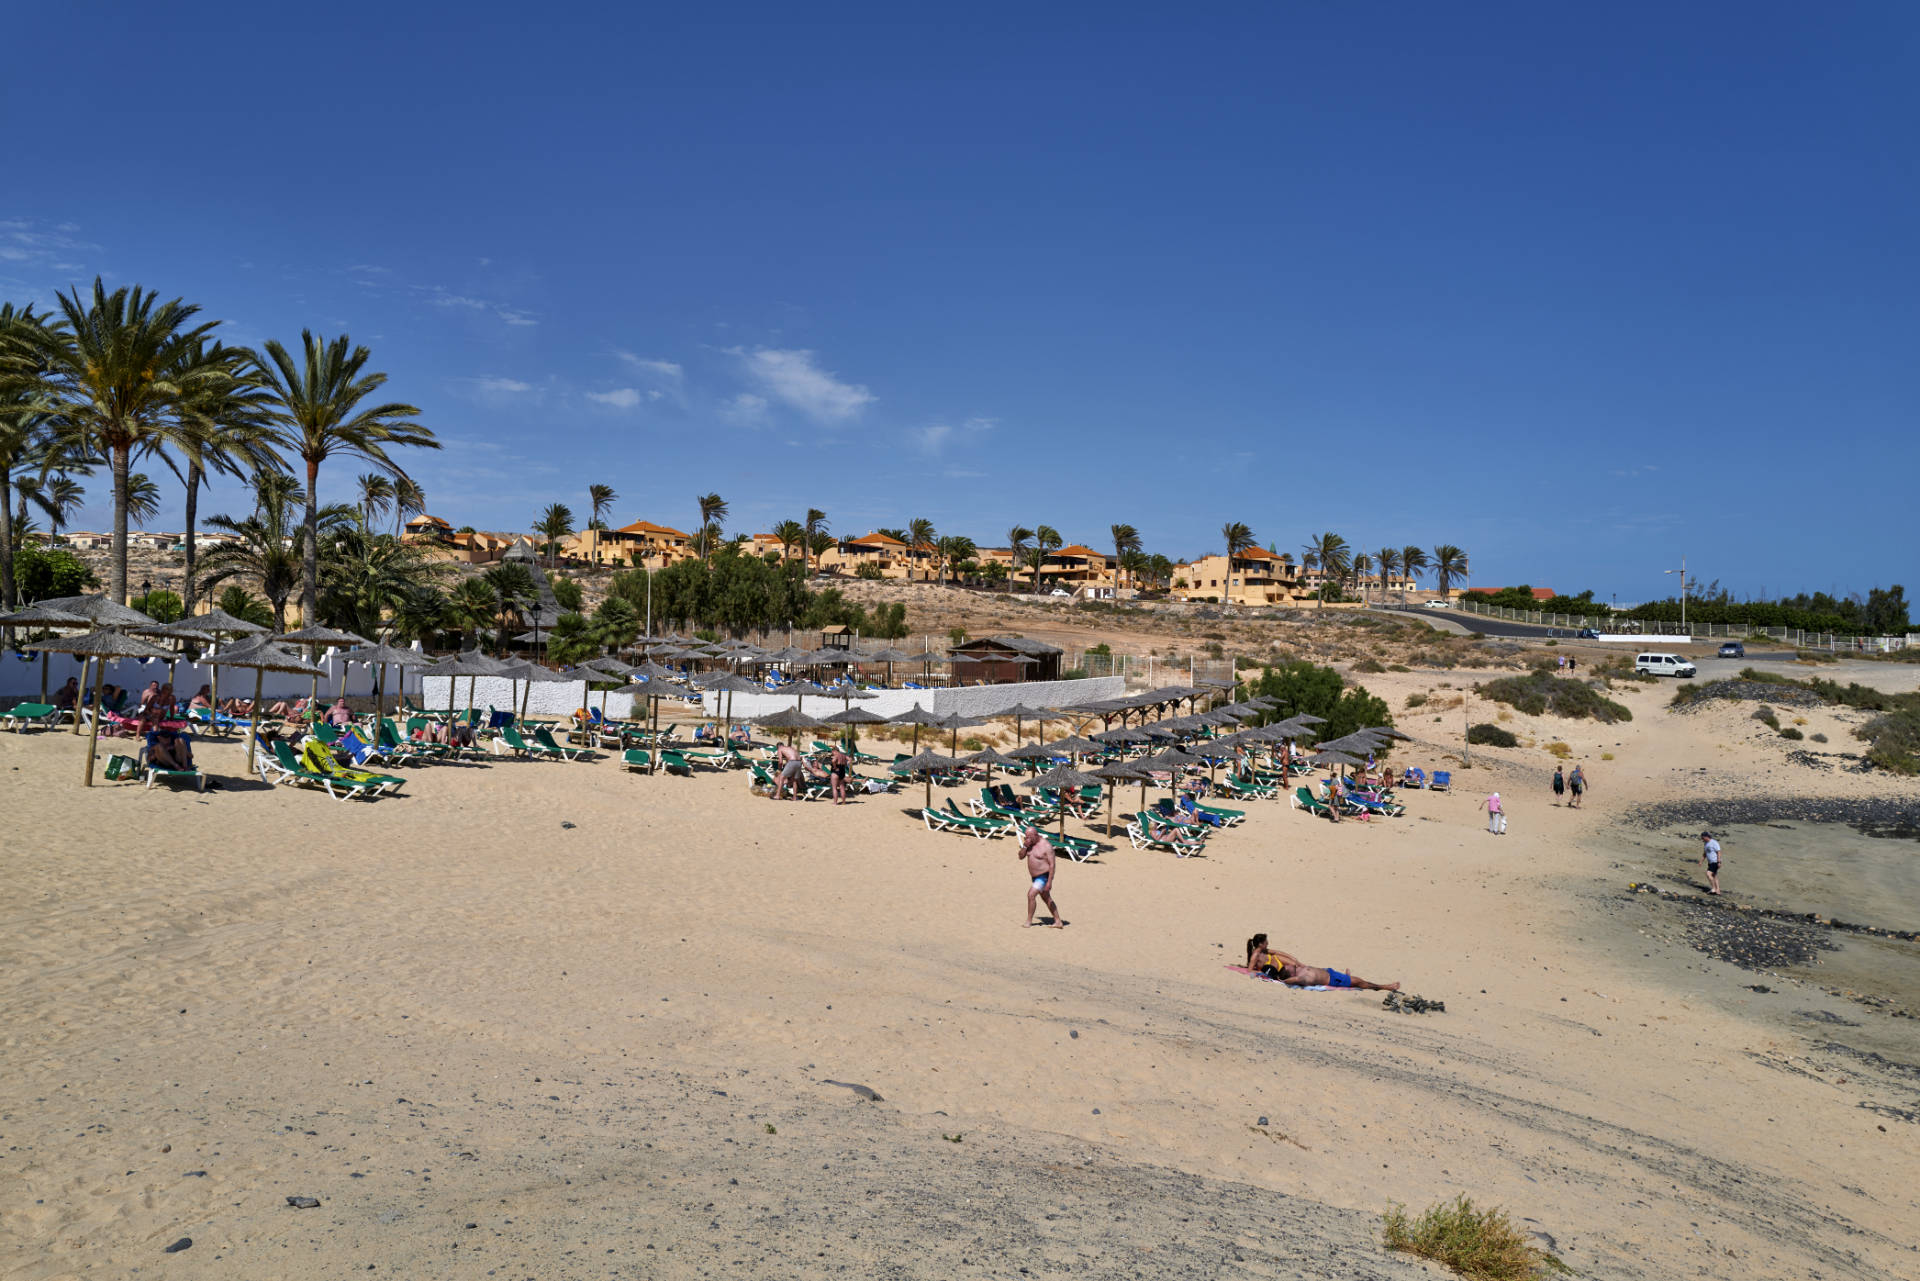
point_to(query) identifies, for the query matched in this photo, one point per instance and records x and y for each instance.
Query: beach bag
(1500, 823)
(122, 767)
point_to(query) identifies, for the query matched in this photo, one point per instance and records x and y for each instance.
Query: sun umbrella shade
(1334, 758)
(916, 716)
(215, 622)
(925, 761)
(100, 645)
(387, 654)
(100, 611)
(988, 756)
(1075, 745)
(1120, 736)
(786, 718)
(1125, 773)
(886, 656)
(1064, 776)
(43, 616)
(728, 683)
(652, 671)
(855, 716)
(959, 721)
(321, 636)
(1033, 752)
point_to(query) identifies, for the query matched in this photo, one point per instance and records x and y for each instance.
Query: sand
(611, 1047)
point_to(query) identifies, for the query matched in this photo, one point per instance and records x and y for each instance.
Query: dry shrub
(1481, 1244)
(1560, 749)
(1606, 756)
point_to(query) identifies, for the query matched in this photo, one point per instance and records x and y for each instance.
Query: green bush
(1480, 1244)
(1369, 666)
(1766, 714)
(1416, 700)
(1542, 694)
(41, 573)
(869, 572)
(1488, 735)
(1894, 739)
(160, 605)
(568, 593)
(1792, 733)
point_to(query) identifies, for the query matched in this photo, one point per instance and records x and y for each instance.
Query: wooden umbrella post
(253, 721)
(43, 678)
(93, 737)
(78, 701)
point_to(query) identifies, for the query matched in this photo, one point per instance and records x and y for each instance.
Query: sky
(1580, 289)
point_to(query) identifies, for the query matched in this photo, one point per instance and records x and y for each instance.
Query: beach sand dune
(625, 1047)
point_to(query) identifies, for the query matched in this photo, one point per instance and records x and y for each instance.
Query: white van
(1663, 665)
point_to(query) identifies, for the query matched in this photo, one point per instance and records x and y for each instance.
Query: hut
(1002, 660)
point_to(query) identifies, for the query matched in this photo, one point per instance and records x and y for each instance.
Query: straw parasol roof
(1063, 776)
(915, 715)
(888, 655)
(652, 671)
(988, 756)
(1120, 736)
(215, 622)
(321, 636)
(925, 764)
(855, 716)
(100, 611)
(1033, 752)
(1333, 758)
(786, 718)
(44, 615)
(99, 645)
(1077, 746)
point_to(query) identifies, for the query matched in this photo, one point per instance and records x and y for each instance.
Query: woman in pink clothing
(1496, 817)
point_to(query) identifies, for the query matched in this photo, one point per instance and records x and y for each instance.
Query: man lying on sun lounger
(1294, 972)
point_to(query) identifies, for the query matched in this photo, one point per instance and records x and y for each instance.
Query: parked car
(1587, 633)
(1439, 604)
(1664, 665)
(1733, 649)
(1059, 591)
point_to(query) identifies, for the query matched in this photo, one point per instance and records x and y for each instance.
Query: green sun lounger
(510, 735)
(544, 737)
(636, 760)
(952, 820)
(22, 715)
(282, 767)
(1145, 832)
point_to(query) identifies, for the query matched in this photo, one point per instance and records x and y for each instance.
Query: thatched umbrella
(383, 655)
(1171, 759)
(925, 764)
(854, 716)
(214, 625)
(729, 684)
(957, 722)
(1075, 746)
(915, 716)
(100, 611)
(889, 656)
(1035, 752)
(316, 636)
(988, 757)
(1125, 772)
(42, 616)
(98, 646)
(1065, 778)
(263, 654)
(1020, 712)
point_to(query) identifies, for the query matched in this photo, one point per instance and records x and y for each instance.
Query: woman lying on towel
(1290, 970)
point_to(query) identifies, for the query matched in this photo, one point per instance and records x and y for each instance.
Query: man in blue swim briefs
(1295, 974)
(1042, 867)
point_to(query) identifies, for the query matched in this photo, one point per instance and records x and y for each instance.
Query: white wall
(21, 680)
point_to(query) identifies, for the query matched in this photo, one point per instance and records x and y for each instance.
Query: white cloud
(934, 437)
(794, 379)
(745, 408)
(502, 385)
(618, 398)
(666, 369)
(981, 424)
(440, 296)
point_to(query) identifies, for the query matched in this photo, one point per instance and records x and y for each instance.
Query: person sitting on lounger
(65, 697)
(289, 711)
(340, 715)
(1294, 972)
(202, 701)
(169, 749)
(149, 694)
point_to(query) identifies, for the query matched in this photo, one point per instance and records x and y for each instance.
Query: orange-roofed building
(889, 556)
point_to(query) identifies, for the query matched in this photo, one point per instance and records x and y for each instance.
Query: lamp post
(146, 590)
(1682, 571)
(536, 631)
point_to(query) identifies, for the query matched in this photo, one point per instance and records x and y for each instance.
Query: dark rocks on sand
(866, 1092)
(303, 1203)
(184, 1243)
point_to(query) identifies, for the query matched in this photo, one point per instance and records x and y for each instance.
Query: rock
(1074, 1034)
(1261, 1121)
(303, 1203)
(864, 1091)
(566, 825)
(184, 1243)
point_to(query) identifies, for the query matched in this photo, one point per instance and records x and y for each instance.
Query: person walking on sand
(1559, 785)
(837, 766)
(1037, 850)
(1577, 784)
(1710, 855)
(1496, 817)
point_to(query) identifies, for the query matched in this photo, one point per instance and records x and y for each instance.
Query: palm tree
(512, 586)
(321, 400)
(1161, 569)
(1330, 555)
(790, 532)
(26, 429)
(601, 499)
(271, 549)
(920, 535)
(471, 605)
(713, 514)
(1046, 541)
(1388, 559)
(1017, 544)
(1238, 537)
(1126, 542)
(276, 487)
(1357, 571)
(230, 431)
(1449, 563)
(143, 497)
(366, 576)
(376, 496)
(816, 525)
(817, 544)
(409, 500)
(121, 371)
(555, 523)
(1413, 560)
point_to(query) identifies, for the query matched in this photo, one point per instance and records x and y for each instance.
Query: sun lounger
(145, 768)
(22, 715)
(282, 767)
(636, 760)
(675, 763)
(317, 758)
(544, 737)
(1242, 790)
(1145, 832)
(952, 820)
(510, 735)
(1442, 781)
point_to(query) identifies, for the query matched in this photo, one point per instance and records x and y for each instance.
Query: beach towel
(1241, 969)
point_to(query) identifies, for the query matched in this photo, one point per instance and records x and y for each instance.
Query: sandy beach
(553, 1020)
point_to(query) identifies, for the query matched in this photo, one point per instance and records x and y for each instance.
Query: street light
(1682, 571)
(536, 631)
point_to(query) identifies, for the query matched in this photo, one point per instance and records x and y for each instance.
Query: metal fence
(1148, 671)
(1655, 629)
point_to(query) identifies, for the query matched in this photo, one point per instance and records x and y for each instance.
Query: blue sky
(1579, 289)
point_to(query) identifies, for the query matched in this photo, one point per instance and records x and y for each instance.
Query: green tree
(472, 606)
(816, 526)
(376, 496)
(555, 523)
(513, 588)
(143, 497)
(1449, 566)
(409, 500)
(567, 593)
(44, 573)
(953, 550)
(161, 605)
(1328, 552)
(270, 548)
(26, 425)
(1413, 562)
(791, 533)
(600, 501)
(1017, 539)
(245, 606)
(1126, 542)
(229, 431)
(322, 400)
(121, 371)
(1388, 559)
(920, 539)
(713, 515)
